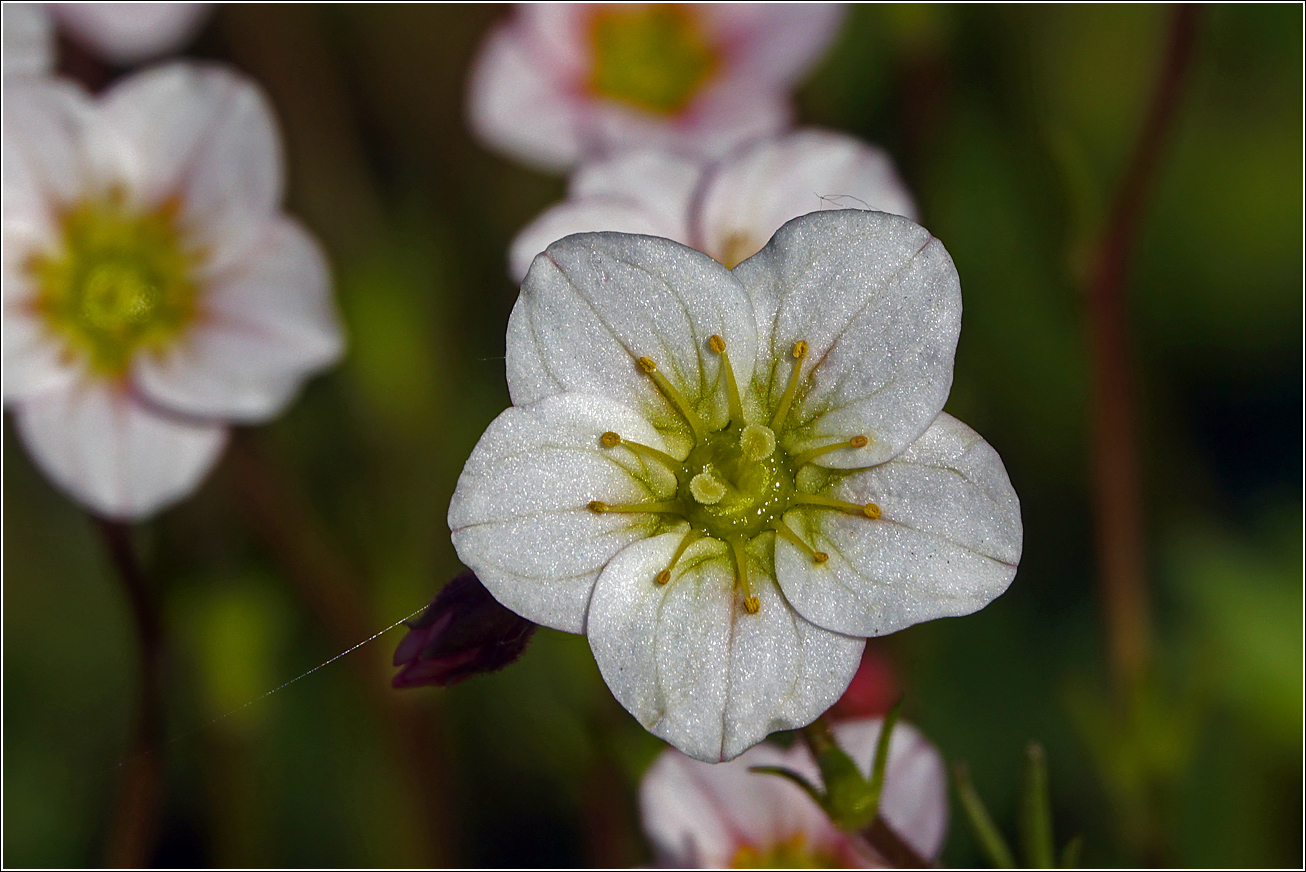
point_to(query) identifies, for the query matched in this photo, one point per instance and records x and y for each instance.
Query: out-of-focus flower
(704, 815)
(153, 290)
(728, 208)
(28, 39)
(727, 479)
(128, 33)
(559, 81)
(873, 690)
(463, 632)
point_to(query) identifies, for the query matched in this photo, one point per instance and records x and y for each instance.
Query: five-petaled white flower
(560, 81)
(728, 478)
(727, 208)
(153, 290)
(714, 816)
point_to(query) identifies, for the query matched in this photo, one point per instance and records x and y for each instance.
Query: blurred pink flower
(558, 82)
(729, 208)
(721, 814)
(874, 689)
(128, 33)
(28, 40)
(153, 290)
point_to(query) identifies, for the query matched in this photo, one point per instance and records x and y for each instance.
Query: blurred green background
(1013, 126)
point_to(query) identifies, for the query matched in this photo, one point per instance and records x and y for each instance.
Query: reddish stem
(1117, 492)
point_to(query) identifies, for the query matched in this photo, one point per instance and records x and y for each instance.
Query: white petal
(915, 797)
(644, 191)
(520, 516)
(127, 33)
(700, 814)
(594, 303)
(753, 193)
(947, 542)
(263, 328)
(693, 667)
(775, 43)
(34, 361)
(28, 40)
(113, 454)
(49, 149)
(519, 102)
(583, 215)
(878, 301)
(204, 135)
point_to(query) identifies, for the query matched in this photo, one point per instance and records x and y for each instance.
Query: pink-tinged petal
(28, 40)
(915, 796)
(775, 43)
(205, 137)
(127, 33)
(557, 36)
(693, 667)
(646, 192)
(263, 328)
(595, 303)
(49, 154)
(114, 455)
(750, 195)
(878, 301)
(520, 515)
(700, 814)
(522, 106)
(34, 361)
(946, 543)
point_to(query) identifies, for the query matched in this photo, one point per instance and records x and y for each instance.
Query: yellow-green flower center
(736, 483)
(656, 57)
(792, 853)
(119, 282)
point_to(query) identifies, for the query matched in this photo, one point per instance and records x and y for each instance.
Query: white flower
(128, 33)
(153, 290)
(559, 81)
(727, 479)
(704, 815)
(28, 39)
(727, 208)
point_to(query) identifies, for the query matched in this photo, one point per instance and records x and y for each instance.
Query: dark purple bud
(462, 633)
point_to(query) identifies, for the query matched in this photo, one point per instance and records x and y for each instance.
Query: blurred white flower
(721, 815)
(28, 39)
(559, 81)
(128, 33)
(727, 479)
(727, 208)
(153, 290)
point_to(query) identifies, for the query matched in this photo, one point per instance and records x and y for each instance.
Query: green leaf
(1072, 853)
(981, 823)
(1036, 810)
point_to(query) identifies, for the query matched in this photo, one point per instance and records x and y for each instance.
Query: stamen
(757, 442)
(870, 510)
(788, 534)
(751, 603)
(707, 488)
(808, 456)
(674, 396)
(689, 539)
(717, 344)
(800, 351)
(599, 507)
(612, 440)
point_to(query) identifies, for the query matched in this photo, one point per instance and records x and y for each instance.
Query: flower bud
(463, 632)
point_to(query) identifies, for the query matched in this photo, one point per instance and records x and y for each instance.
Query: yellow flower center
(655, 57)
(792, 853)
(736, 483)
(118, 283)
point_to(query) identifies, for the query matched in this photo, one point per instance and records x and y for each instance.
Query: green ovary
(119, 283)
(756, 492)
(655, 57)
